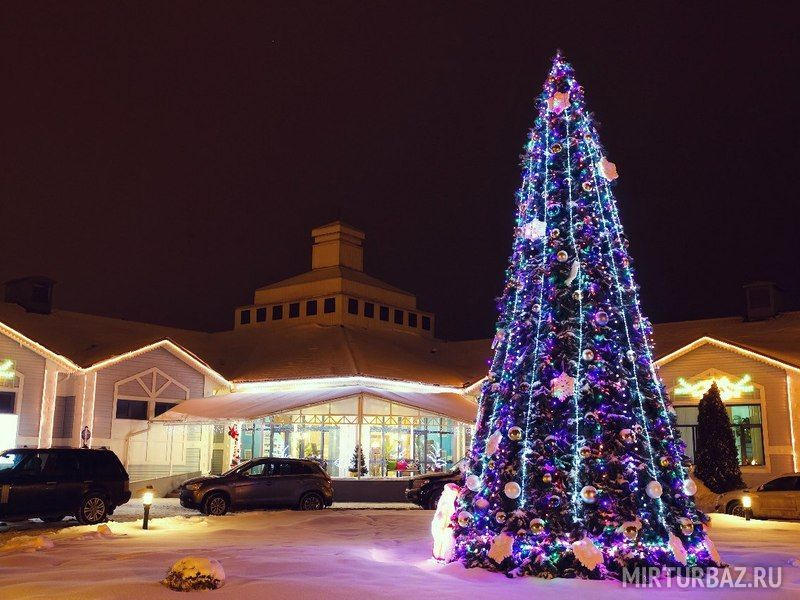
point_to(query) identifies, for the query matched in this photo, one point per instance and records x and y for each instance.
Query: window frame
(369, 310)
(129, 402)
(312, 308)
(277, 312)
(244, 317)
(352, 306)
(399, 316)
(329, 305)
(261, 314)
(294, 310)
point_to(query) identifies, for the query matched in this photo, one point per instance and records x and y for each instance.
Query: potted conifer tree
(358, 465)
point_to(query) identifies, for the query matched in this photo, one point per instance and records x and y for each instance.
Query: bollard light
(147, 501)
(747, 504)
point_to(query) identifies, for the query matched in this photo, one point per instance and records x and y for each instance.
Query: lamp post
(747, 504)
(147, 500)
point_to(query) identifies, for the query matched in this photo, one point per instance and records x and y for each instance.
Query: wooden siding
(31, 365)
(106, 378)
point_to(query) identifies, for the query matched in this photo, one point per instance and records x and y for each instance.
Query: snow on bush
(103, 533)
(26, 543)
(194, 573)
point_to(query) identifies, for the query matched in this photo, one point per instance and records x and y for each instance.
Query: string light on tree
(576, 467)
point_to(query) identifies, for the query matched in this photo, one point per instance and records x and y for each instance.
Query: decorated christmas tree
(358, 465)
(576, 468)
(716, 460)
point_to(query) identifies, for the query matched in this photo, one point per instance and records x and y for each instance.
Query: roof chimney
(34, 294)
(763, 300)
(337, 245)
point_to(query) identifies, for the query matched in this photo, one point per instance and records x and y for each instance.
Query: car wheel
(93, 510)
(216, 505)
(311, 501)
(52, 519)
(433, 500)
(735, 508)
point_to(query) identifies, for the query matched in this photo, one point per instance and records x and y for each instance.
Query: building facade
(333, 360)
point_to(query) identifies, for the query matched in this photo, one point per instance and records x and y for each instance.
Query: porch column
(87, 405)
(48, 408)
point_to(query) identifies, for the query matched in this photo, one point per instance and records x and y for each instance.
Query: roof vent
(763, 300)
(34, 294)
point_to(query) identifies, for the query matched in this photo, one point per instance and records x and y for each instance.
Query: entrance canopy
(252, 405)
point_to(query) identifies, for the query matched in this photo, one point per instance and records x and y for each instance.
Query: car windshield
(9, 460)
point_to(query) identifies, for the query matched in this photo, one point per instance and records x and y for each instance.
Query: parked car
(425, 490)
(777, 499)
(261, 483)
(56, 482)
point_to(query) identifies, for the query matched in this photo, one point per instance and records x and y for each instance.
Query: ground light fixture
(747, 504)
(147, 501)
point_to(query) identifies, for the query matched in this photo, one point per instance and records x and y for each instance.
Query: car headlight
(193, 487)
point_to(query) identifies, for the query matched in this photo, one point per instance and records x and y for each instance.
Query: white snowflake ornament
(558, 102)
(587, 553)
(502, 547)
(678, 549)
(533, 230)
(563, 386)
(573, 273)
(493, 442)
(607, 169)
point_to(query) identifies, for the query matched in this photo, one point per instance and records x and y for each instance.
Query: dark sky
(162, 160)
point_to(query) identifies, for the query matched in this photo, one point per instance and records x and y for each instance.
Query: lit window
(384, 313)
(261, 314)
(277, 312)
(398, 317)
(311, 308)
(426, 323)
(369, 310)
(746, 425)
(352, 306)
(244, 317)
(330, 305)
(412, 319)
(294, 310)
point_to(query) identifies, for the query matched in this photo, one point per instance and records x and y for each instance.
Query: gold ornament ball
(491, 464)
(631, 532)
(562, 256)
(556, 148)
(515, 434)
(547, 478)
(627, 436)
(665, 461)
(587, 186)
(588, 355)
(464, 518)
(589, 494)
(537, 526)
(687, 526)
(500, 517)
(585, 452)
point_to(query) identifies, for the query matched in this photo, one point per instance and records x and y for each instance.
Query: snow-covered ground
(352, 554)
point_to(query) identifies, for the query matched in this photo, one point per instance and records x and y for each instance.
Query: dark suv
(425, 490)
(56, 482)
(261, 483)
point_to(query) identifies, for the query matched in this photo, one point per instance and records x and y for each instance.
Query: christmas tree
(576, 468)
(357, 463)
(716, 460)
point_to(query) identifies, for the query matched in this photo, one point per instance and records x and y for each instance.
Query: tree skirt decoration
(576, 467)
(194, 573)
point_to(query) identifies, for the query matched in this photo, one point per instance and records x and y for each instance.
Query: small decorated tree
(716, 457)
(357, 464)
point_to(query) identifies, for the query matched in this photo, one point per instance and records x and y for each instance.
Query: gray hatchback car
(261, 483)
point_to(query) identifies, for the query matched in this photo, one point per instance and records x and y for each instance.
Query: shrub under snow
(194, 573)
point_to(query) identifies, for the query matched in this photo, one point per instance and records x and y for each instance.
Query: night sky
(162, 160)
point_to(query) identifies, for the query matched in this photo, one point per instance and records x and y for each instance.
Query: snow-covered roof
(247, 406)
(257, 354)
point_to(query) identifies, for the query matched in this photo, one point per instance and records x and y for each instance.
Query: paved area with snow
(330, 554)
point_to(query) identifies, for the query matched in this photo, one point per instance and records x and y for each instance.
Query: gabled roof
(777, 338)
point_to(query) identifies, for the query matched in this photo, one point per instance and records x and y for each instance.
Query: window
(352, 306)
(132, 409)
(311, 308)
(298, 468)
(369, 310)
(412, 319)
(294, 310)
(782, 484)
(244, 317)
(277, 312)
(162, 407)
(398, 317)
(10, 459)
(61, 465)
(384, 313)
(261, 314)
(426, 323)
(330, 305)
(746, 425)
(257, 470)
(7, 402)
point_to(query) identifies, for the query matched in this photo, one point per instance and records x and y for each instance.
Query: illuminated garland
(576, 468)
(7, 369)
(727, 389)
